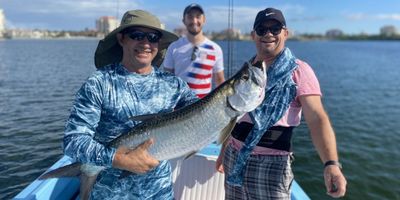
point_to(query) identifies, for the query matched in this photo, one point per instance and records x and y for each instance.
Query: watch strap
(333, 162)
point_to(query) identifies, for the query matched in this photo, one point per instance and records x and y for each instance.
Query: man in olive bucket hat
(125, 85)
(109, 51)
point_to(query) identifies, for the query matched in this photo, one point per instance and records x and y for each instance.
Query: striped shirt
(195, 64)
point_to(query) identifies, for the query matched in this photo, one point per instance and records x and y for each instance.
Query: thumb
(220, 169)
(146, 145)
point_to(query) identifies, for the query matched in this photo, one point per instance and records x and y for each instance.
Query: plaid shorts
(265, 177)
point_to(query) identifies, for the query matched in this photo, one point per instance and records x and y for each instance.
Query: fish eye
(245, 76)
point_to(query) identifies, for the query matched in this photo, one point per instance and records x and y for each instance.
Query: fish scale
(193, 130)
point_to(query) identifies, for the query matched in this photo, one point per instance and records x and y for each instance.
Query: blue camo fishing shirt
(101, 112)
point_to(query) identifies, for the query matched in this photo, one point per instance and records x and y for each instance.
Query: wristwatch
(333, 162)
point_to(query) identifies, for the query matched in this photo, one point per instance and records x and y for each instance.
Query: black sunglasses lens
(153, 37)
(275, 30)
(261, 31)
(139, 36)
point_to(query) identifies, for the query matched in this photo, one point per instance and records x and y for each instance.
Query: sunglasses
(152, 37)
(275, 30)
(195, 49)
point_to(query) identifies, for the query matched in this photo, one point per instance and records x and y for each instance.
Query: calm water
(359, 80)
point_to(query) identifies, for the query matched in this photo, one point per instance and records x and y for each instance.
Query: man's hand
(335, 182)
(219, 164)
(136, 160)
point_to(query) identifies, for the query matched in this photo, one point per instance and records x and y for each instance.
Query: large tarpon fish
(186, 130)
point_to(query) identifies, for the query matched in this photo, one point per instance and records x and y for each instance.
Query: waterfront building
(2, 23)
(334, 33)
(388, 31)
(106, 24)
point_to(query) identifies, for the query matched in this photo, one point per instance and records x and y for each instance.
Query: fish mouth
(250, 89)
(260, 64)
(259, 77)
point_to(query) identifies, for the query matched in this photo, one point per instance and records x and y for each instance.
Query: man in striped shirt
(195, 58)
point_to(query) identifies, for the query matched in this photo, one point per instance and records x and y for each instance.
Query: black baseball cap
(269, 14)
(193, 6)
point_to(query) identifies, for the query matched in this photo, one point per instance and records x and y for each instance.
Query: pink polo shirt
(307, 84)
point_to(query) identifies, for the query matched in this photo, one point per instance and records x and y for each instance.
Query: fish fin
(226, 132)
(124, 174)
(71, 170)
(87, 183)
(189, 155)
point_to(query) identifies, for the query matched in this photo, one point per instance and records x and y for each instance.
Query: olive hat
(109, 50)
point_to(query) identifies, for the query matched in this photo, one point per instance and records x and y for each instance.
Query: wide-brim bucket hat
(109, 50)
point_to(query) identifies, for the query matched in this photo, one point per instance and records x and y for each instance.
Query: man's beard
(194, 33)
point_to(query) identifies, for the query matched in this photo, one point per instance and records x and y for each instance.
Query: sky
(302, 16)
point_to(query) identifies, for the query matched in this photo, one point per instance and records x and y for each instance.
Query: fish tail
(71, 170)
(74, 170)
(87, 183)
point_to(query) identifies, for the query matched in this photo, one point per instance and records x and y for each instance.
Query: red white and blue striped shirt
(195, 64)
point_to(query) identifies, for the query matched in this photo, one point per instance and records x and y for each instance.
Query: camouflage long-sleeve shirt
(101, 112)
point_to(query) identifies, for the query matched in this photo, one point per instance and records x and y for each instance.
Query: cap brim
(109, 51)
(272, 18)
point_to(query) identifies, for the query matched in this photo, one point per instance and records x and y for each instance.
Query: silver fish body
(188, 129)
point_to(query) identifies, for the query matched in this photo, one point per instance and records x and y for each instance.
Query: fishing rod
(230, 38)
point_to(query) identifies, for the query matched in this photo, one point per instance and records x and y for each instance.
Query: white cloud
(388, 17)
(64, 14)
(79, 8)
(363, 16)
(356, 16)
(243, 16)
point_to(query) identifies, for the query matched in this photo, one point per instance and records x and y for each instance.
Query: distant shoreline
(218, 39)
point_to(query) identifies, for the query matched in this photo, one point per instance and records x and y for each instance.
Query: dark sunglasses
(275, 30)
(152, 37)
(195, 49)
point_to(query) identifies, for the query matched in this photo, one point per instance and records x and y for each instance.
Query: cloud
(216, 17)
(243, 17)
(363, 16)
(357, 16)
(388, 17)
(307, 19)
(77, 8)
(30, 25)
(293, 9)
(63, 14)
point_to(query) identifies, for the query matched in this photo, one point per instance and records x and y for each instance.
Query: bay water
(359, 81)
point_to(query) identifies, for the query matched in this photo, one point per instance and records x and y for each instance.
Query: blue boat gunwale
(68, 188)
